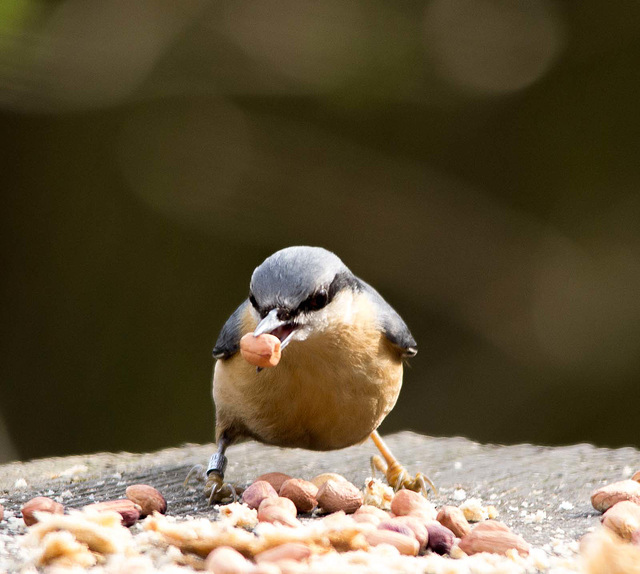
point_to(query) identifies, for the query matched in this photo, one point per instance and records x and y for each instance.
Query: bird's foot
(398, 477)
(196, 471)
(218, 491)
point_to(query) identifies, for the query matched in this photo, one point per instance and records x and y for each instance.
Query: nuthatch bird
(340, 373)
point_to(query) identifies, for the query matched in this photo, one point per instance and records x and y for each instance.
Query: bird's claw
(197, 471)
(398, 477)
(218, 491)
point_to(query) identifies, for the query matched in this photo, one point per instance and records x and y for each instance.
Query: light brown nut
(39, 504)
(492, 525)
(281, 502)
(366, 518)
(278, 510)
(257, 492)
(494, 541)
(417, 526)
(226, 560)
(372, 510)
(287, 551)
(440, 538)
(453, 518)
(128, 510)
(320, 479)
(406, 502)
(394, 526)
(339, 495)
(604, 498)
(301, 492)
(261, 351)
(1, 512)
(275, 479)
(407, 545)
(636, 476)
(623, 519)
(147, 498)
(278, 515)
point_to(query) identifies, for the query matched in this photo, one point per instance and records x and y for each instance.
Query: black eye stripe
(317, 301)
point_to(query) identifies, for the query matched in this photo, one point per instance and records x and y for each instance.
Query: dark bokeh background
(475, 160)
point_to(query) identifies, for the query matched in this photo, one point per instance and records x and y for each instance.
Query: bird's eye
(253, 301)
(317, 301)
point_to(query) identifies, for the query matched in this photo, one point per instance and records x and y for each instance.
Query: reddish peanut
(339, 495)
(418, 528)
(407, 545)
(226, 560)
(320, 479)
(440, 538)
(623, 519)
(257, 492)
(128, 510)
(147, 498)
(262, 351)
(275, 479)
(278, 510)
(406, 502)
(287, 551)
(453, 518)
(604, 498)
(301, 492)
(492, 525)
(494, 541)
(39, 504)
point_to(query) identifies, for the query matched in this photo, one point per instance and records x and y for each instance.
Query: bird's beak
(275, 326)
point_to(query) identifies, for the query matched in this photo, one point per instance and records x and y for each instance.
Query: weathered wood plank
(519, 480)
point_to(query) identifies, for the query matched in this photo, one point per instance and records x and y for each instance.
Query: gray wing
(228, 342)
(394, 328)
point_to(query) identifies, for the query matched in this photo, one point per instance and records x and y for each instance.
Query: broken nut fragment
(262, 351)
(148, 498)
(39, 504)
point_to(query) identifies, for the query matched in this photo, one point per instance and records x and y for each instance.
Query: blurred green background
(475, 160)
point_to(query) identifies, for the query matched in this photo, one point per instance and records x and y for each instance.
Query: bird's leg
(215, 488)
(397, 475)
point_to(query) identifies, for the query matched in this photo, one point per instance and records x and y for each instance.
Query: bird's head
(292, 291)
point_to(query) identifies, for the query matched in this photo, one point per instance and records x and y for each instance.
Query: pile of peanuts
(270, 531)
(141, 500)
(412, 525)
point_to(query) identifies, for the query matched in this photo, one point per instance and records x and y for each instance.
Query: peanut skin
(261, 351)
